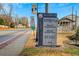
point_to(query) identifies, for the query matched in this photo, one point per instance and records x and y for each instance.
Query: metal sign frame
(40, 30)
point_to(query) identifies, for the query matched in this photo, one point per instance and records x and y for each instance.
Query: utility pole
(72, 12)
(11, 9)
(72, 18)
(76, 19)
(37, 8)
(46, 7)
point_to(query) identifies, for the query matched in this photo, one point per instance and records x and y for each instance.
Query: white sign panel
(49, 31)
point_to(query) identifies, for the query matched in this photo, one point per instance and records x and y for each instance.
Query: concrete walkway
(15, 47)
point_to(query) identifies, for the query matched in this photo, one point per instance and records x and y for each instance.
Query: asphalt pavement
(14, 48)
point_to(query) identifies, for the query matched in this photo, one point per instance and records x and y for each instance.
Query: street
(8, 35)
(12, 42)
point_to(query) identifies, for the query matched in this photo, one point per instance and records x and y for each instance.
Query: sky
(25, 9)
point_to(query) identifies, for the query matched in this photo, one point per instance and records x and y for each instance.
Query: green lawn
(74, 51)
(49, 52)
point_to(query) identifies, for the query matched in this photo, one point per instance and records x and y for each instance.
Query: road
(5, 35)
(18, 38)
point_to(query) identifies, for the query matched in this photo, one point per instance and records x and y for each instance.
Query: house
(68, 23)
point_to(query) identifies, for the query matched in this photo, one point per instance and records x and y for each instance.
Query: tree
(1, 21)
(25, 22)
(77, 35)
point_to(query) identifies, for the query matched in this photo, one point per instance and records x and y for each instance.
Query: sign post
(47, 29)
(32, 24)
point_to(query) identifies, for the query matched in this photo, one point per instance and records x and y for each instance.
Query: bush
(75, 37)
(12, 25)
(77, 34)
(1, 21)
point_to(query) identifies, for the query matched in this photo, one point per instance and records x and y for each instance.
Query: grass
(31, 50)
(44, 52)
(35, 51)
(74, 51)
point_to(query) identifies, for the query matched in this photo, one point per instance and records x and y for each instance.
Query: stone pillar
(62, 26)
(69, 28)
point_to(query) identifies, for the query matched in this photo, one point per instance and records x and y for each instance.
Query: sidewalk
(31, 41)
(15, 47)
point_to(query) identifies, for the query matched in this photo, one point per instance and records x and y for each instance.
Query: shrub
(12, 25)
(1, 21)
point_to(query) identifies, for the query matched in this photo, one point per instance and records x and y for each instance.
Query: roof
(66, 19)
(69, 17)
